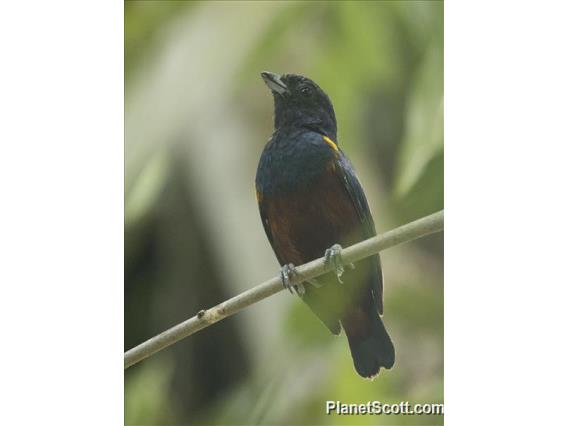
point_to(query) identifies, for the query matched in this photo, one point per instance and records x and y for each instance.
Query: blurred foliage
(186, 62)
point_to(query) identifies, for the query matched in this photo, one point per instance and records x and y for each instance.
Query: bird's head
(300, 103)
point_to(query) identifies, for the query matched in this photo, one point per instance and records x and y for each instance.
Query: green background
(197, 116)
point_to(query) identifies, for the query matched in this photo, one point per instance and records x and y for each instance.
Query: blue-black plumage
(310, 199)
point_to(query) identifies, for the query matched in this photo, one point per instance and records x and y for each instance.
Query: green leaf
(424, 134)
(146, 188)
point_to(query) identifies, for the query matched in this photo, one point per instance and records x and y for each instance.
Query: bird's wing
(350, 183)
(265, 222)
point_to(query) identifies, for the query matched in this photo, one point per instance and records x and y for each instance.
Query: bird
(311, 203)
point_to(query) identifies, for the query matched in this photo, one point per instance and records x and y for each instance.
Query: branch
(204, 318)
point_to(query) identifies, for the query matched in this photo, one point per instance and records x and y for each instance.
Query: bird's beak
(274, 82)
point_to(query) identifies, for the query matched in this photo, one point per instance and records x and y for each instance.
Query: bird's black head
(300, 103)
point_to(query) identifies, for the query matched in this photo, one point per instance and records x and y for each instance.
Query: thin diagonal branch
(204, 318)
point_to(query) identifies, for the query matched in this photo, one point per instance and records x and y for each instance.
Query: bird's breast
(291, 164)
(305, 222)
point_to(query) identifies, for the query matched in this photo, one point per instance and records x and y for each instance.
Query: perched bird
(311, 203)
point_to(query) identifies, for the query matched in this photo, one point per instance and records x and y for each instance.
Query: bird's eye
(306, 91)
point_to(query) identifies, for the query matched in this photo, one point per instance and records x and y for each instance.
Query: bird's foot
(333, 258)
(286, 274)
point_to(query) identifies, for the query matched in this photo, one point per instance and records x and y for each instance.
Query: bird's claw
(333, 258)
(286, 273)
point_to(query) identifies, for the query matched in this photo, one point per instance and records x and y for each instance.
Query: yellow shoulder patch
(331, 143)
(258, 196)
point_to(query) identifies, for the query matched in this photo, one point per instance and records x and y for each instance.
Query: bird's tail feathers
(370, 344)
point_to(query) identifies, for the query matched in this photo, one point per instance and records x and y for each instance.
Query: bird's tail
(370, 344)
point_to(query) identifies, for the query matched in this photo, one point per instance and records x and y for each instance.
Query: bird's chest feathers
(305, 222)
(292, 164)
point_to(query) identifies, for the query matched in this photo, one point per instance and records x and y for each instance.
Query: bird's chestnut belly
(306, 222)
